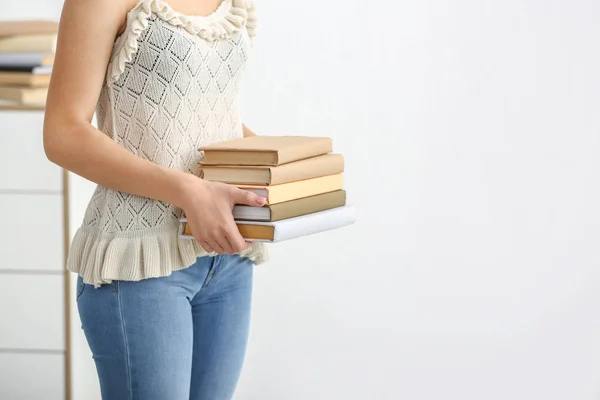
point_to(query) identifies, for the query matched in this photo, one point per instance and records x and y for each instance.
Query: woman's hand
(208, 208)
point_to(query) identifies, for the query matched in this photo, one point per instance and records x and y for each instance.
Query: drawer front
(32, 310)
(31, 232)
(23, 163)
(32, 376)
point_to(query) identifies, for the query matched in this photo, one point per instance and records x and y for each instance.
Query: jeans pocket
(80, 287)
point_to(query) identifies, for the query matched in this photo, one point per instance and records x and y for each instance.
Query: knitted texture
(171, 87)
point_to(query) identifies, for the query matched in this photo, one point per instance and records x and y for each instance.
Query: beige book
(279, 231)
(314, 167)
(27, 27)
(291, 209)
(24, 95)
(265, 150)
(39, 43)
(297, 190)
(24, 79)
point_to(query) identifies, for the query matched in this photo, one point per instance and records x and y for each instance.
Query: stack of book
(299, 176)
(27, 50)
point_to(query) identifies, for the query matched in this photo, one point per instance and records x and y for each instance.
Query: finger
(218, 247)
(238, 243)
(248, 198)
(206, 246)
(229, 249)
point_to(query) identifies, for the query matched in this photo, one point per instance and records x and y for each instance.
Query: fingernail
(260, 201)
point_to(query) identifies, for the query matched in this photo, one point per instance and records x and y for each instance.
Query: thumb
(248, 198)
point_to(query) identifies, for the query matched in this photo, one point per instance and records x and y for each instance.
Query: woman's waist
(111, 212)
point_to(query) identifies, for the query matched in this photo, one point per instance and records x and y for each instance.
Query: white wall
(14, 9)
(470, 130)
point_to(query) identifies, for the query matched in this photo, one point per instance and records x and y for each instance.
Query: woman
(165, 318)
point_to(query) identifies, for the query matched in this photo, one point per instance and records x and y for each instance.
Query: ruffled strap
(230, 17)
(251, 22)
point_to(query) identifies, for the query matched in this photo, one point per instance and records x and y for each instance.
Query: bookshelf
(35, 287)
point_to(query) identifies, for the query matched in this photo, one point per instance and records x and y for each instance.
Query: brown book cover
(257, 232)
(248, 232)
(314, 167)
(265, 150)
(24, 79)
(290, 209)
(27, 27)
(297, 190)
(24, 95)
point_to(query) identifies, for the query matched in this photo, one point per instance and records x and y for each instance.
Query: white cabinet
(32, 376)
(32, 232)
(23, 164)
(33, 313)
(34, 340)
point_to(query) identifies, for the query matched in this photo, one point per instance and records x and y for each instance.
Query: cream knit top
(171, 87)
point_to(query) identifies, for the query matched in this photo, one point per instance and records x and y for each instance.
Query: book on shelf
(30, 69)
(297, 190)
(291, 209)
(27, 51)
(314, 167)
(27, 27)
(265, 150)
(26, 79)
(34, 43)
(24, 96)
(291, 228)
(26, 59)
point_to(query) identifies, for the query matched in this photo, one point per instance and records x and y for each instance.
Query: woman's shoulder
(111, 11)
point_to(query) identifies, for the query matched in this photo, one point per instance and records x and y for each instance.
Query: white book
(24, 59)
(286, 229)
(42, 70)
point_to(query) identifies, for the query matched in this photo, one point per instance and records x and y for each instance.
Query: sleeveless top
(171, 87)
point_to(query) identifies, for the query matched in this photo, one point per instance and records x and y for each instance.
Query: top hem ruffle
(99, 258)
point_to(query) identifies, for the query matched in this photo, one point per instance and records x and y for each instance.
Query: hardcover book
(328, 164)
(265, 150)
(296, 190)
(291, 209)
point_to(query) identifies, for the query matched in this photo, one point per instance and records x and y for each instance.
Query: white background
(471, 134)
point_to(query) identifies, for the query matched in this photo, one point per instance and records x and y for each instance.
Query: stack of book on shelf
(299, 176)
(27, 50)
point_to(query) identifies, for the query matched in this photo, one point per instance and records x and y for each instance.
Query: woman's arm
(86, 35)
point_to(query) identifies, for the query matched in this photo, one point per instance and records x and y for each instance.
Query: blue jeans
(181, 337)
